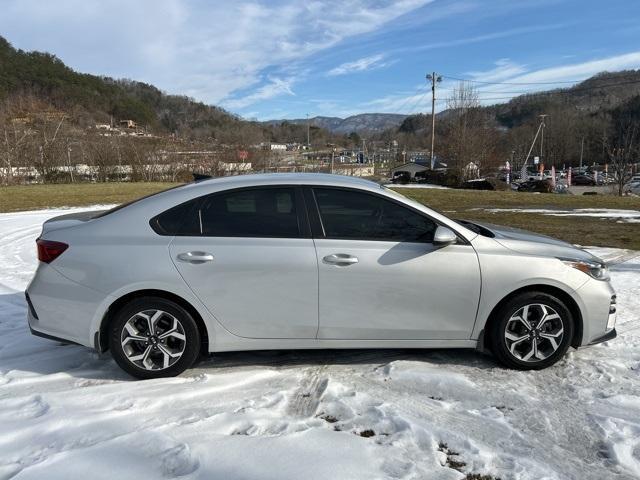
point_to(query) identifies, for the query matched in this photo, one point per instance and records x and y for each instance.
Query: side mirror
(444, 236)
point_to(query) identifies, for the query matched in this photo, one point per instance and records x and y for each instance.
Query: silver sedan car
(297, 261)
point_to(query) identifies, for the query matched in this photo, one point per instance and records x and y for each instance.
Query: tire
(168, 350)
(548, 335)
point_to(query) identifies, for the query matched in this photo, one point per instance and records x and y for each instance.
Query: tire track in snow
(522, 436)
(306, 398)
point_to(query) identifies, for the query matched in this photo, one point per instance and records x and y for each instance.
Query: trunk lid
(69, 220)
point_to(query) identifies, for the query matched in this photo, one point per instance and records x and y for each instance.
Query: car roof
(155, 204)
(237, 181)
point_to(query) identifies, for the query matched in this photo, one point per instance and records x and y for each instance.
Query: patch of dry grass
(587, 231)
(465, 204)
(17, 198)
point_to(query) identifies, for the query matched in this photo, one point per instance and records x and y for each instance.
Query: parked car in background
(298, 261)
(632, 186)
(586, 180)
(401, 177)
(540, 186)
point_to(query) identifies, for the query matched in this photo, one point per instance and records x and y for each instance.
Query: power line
(564, 91)
(511, 83)
(411, 100)
(415, 106)
(570, 91)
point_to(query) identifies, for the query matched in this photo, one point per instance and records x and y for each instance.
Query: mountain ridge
(359, 123)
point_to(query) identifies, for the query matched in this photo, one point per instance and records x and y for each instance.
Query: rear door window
(255, 212)
(268, 212)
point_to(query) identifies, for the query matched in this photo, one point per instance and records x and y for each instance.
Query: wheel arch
(102, 344)
(561, 294)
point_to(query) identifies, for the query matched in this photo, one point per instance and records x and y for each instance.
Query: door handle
(340, 259)
(195, 257)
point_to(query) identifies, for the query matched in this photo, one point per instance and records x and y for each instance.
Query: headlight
(596, 270)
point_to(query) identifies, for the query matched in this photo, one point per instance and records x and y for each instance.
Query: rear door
(248, 256)
(380, 275)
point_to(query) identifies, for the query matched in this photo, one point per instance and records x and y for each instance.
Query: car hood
(529, 243)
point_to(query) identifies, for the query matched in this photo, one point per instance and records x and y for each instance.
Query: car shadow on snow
(24, 352)
(309, 358)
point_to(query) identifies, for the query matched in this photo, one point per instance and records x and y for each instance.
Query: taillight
(49, 250)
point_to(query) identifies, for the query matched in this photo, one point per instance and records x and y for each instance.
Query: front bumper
(598, 310)
(605, 338)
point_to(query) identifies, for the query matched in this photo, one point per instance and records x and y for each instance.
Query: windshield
(410, 200)
(474, 227)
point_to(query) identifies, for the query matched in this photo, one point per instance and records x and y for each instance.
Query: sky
(288, 59)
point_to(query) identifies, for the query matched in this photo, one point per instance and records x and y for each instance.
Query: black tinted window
(180, 220)
(269, 212)
(355, 215)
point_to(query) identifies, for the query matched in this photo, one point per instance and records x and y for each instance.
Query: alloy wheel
(534, 332)
(153, 339)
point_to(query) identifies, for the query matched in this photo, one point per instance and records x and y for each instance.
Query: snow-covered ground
(622, 216)
(415, 185)
(66, 411)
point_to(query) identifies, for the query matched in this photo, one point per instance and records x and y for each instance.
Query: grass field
(587, 231)
(466, 204)
(32, 197)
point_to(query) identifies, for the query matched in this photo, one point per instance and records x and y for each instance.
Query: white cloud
(504, 71)
(523, 80)
(360, 65)
(274, 88)
(208, 50)
(504, 68)
(482, 38)
(407, 104)
(581, 71)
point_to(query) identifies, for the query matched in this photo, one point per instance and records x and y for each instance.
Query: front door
(381, 277)
(250, 263)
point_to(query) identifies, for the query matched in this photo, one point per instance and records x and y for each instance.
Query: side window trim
(313, 212)
(299, 202)
(320, 232)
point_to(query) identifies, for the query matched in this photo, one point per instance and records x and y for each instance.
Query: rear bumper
(50, 337)
(61, 309)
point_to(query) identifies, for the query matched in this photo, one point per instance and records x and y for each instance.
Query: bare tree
(622, 155)
(471, 140)
(622, 146)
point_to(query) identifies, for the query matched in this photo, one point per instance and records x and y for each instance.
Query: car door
(380, 275)
(248, 256)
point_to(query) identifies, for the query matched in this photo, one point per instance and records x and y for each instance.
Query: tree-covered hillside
(95, 99)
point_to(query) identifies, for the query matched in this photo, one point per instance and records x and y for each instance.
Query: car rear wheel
(531, 331)
(153, 337)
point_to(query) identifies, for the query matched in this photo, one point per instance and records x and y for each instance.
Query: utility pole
(308, 137)
(542, 124)
(581, 151)
(433, 78)
(69, 162)
(333, 153)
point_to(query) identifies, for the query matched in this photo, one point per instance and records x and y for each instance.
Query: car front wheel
(531, 331)
(153, 337)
